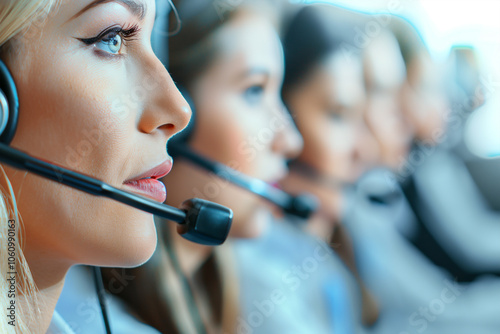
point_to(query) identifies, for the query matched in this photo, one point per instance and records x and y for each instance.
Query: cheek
(376, 115)
(384, 123)
(227, 133)
(67, 116)
(341, 140)
(334, 143)
(230, 134)
(218, 138)
(71, 117)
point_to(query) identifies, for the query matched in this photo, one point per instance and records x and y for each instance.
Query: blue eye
(111, 43)
(254, 94)
(112, 40)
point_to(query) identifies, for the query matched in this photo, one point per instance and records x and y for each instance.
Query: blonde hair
(16, 16)
(12, 260)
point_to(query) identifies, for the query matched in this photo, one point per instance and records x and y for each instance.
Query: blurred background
(444, 24)
(384, 115)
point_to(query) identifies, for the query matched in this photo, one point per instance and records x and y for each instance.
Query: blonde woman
(93, 97)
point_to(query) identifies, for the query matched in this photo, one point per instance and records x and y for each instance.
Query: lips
(147, 183)
(275, 185)
(278, 176)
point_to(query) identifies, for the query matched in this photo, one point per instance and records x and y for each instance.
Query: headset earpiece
(9, 105)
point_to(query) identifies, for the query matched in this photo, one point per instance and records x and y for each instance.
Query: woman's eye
(336, 116)
(254, 94)
(112, 40)
(111, 43)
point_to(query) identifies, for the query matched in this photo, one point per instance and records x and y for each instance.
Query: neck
(324, 221)
(48, 276)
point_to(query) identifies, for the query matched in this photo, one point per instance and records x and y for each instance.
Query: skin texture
(74, 112)
(241, 122)
(384, 74)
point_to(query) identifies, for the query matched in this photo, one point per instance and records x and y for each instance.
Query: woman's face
(328, 110)
(424, 101)
(384, 73)
(93, 98)
(241, 120)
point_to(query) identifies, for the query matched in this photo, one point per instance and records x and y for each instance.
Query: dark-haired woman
(230, 61)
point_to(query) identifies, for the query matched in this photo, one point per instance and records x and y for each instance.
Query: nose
(367, 150)
(166, 110)
(287, 140)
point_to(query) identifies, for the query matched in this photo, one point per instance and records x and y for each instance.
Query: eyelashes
(126, 34)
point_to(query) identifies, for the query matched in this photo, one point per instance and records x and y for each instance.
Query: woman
(384, 78)
(233, 68)
(324, 90)
(94, 98)
(451, 212)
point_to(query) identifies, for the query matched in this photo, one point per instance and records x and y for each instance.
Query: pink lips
(275, 185)
(147, 184)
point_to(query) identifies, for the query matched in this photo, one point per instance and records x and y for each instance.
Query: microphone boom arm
(214, 231)
(302, 206)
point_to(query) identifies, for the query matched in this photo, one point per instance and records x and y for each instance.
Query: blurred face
(240, 121)
(384, 73)
(93, 98)
(328, 110)
(424, 100)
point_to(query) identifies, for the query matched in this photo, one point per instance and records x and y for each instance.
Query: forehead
(67, 10)
(340, 79)
(252, 39)
(384, 65)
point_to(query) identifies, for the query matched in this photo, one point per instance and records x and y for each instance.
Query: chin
(140, 255)
(254, 226)
(132, 255)
(132, 245)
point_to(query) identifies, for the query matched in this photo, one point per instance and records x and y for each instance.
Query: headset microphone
(200, 221)
(302, 206)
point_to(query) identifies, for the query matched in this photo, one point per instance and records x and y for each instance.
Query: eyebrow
(255, 71)
(137, 8)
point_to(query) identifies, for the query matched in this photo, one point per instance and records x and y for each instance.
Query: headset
(301, 206)
(200, 221)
